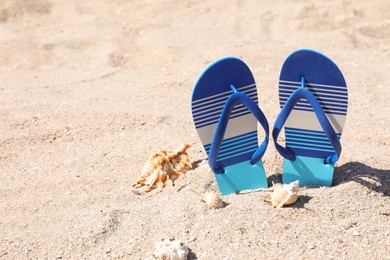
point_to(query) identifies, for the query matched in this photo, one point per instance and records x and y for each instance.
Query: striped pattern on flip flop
(234, 150)
(308, 143)
(304, 134)
(305, 137)
(240, 140)
(236, 139)
(207, 111)
(333, 99)
(308, 139)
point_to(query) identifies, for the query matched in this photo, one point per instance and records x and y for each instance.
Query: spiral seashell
(164, 167)
(284, 195)
(171, 249)
(211, 198)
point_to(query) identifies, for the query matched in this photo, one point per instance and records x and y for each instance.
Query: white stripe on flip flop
(314, 84)
(212, 98)
(308, 120)
(236, 126)
(216, 107)
(221, 100)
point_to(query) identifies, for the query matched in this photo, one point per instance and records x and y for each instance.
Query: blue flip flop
(225, 113)
(313, 98)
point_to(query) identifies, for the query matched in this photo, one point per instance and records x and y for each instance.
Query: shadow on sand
(372, 178)
(375, 179)
(302, 200)
(192, 256)
(196, 163)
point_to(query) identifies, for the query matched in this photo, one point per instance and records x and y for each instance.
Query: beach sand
(88, 89)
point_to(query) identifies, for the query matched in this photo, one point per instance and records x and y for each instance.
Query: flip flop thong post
(225, 113)
(313, 98)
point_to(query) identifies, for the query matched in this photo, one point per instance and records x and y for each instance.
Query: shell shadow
(274, 178)
(374, 179)
(225, 204)
(196, 163)
(302, 200)
(191, 255)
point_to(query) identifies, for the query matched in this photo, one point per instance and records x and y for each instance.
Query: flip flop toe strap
(237, 98)
(297, 95)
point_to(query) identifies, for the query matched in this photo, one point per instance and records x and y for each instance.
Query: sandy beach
(88, 89)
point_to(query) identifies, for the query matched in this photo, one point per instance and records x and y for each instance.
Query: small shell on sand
(164, 167)
(211, 198)
(171, 248)
(285, 194)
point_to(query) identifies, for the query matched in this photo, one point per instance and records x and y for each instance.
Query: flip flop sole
(304, 134)
(240, 141)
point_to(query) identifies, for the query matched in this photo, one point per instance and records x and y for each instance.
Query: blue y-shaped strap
(234, 99)
(297, 95)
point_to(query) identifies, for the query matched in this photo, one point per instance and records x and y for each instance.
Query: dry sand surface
(88, 89)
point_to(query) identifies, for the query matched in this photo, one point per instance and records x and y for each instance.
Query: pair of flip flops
(313, 98)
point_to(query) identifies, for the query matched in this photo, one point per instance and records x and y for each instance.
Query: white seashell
(285, 195)
(171, 249)
(211, 198)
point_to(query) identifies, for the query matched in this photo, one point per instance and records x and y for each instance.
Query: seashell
(164, 167)
(171, 249)
(211, 198)
(285, 195)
